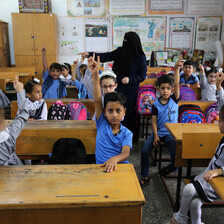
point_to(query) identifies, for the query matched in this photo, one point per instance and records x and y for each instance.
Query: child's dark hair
(164, 79)
(212, 69)
(56, 66)
(114, 97)
(30, 85)
(84, 67)
(67, 66)
(188, 62)
(221, 113)
(107, 77)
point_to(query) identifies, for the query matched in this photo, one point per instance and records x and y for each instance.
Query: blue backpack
(186, 93)
(190, 113)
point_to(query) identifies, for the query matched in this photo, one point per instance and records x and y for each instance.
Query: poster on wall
(97, 36)
(181, 32)
(70, 37)
(166, 7)
(208, 32)
(124, 7)
(151, 31)
(86, 8)
(205, 7)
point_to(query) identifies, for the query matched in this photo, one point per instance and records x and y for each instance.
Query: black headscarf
(130, 49)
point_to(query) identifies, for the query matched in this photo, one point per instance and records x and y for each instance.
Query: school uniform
(9, 135)
(220, 98)
(37, 110)
(208, 91)
(109, 144)
(192, 79)
(4, 101)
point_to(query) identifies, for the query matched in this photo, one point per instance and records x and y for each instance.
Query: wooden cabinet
(31, 32)
(5, 59)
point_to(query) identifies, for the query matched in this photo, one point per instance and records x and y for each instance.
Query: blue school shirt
(191, 79)
(108, 144)
(166, 113)
(53, 90)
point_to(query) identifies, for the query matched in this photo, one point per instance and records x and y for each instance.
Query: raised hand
(17, 85)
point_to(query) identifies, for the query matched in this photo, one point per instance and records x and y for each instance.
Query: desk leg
(189, 162)
(178, 189)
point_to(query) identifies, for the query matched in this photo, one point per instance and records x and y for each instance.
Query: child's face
(188, 70)
(212, 78)
(108, 85)
(221, 125)
(36, 94)
(114, 112)
(165, 89)
(65, 72)
(55, 73)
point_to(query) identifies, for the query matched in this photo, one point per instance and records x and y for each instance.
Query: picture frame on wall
(35, 6)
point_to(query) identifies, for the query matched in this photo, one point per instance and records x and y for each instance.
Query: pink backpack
(212, 114)
(78, 110)
(145, 94)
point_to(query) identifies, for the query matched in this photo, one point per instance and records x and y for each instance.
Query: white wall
(59, 7)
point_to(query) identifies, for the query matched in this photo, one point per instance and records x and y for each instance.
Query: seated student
(208, 87)
(9, 134)
(113, 141)
(66, 71)
(52, 87)
(37, 108)
(164, 110)
(4, 101)
(219, 89)
(199, 191)
(108, 84)
(186, 77)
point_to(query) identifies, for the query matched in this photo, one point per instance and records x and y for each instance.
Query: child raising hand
(219, 89)
(113, 141)
(8, 135)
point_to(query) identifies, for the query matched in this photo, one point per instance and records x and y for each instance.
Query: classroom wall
(59, 7)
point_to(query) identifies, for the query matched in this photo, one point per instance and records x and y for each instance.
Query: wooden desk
(3, 83)
(89, 104)
(177, 130)
(38, 137)
(218, 185)
(56, 194)
(23, 77)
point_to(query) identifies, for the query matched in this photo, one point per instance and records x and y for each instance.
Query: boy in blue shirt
(186, 77)
(164, 110)
(113, 141)
(52, 87)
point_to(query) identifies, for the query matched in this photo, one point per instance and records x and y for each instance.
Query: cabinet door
(25, 61)
(22, 24)
(45, 32)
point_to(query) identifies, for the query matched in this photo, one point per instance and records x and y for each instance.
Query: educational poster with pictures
(208, 32)
(151, 31)
(124, 7)
(181, 32)
(97, 36)
(166, 7)
(70, 36)
(205, 7)
(86, 7)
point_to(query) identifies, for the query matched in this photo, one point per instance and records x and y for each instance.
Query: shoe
(144, 181)
(167, 170)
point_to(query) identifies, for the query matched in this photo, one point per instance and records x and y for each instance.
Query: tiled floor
(158, 209)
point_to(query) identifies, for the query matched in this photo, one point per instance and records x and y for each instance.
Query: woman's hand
(125, 80)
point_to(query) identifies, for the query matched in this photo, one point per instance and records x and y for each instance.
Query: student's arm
(22, 116)
(154, 129)
(94, 68)
(74, 73)
(219, 79)
(202, 76)
(177, 67)
(111, 164)
(44, 59)
(196, 84)
(213, 173)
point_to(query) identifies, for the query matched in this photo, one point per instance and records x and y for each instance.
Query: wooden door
(25, 61)
(45, 27)
(22, 24)
(5, 59)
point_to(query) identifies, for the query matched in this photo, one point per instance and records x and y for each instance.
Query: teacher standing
(130, 68)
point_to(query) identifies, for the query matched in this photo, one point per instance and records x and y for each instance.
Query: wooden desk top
(218, 185)
(68, 186)
(177, 129)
